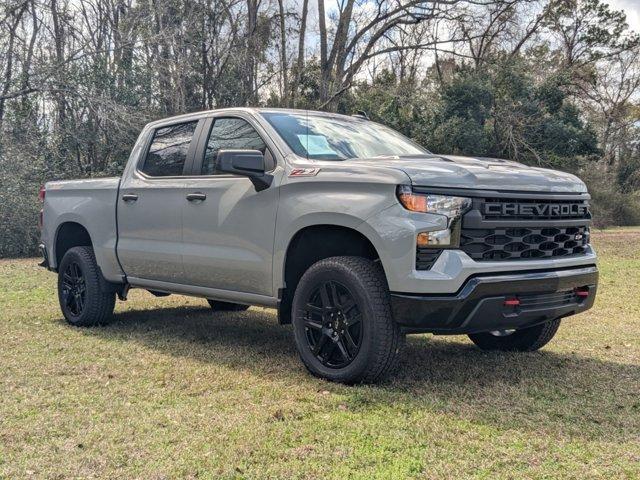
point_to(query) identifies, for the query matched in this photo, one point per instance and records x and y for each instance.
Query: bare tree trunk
(325, 71)
(58, 38)
(162, 60)
(300, 62)
(8, 75)
(28, 61)
(284, 67)
(250, 79)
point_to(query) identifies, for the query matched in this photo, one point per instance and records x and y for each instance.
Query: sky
(631, 9)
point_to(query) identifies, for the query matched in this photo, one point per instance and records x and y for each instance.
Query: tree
(359, 36)
(588, 30)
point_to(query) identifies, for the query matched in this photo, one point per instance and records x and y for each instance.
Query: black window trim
(187, 168)
(205, 132)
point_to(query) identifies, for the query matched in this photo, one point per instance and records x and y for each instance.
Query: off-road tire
(217, 306)
(524, 340)
(99, 300)
(381, 339)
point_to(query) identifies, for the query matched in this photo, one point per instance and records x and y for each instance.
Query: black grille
(548, 300)
(426, 257)
(513, 243)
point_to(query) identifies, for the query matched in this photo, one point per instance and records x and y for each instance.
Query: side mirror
(248, 163)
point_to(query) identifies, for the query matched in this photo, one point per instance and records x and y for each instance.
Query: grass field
(171, 390)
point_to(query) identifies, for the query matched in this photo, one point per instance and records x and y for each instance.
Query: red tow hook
(582, 292)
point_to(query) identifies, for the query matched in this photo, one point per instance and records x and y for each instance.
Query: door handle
(197, 196)
(129, 197)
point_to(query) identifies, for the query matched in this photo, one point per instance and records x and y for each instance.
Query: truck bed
(89, 202)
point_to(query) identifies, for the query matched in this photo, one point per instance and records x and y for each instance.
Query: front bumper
(479, 306)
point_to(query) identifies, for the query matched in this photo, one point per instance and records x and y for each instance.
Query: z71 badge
(304, 172)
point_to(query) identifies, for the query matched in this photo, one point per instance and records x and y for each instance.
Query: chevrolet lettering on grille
(536, 209)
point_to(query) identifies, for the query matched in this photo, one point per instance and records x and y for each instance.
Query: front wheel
(523, 340)
(343, 326)
(84, 297)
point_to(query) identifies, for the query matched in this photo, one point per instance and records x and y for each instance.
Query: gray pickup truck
(354, 233)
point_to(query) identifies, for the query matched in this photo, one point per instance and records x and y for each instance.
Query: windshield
(321, 137)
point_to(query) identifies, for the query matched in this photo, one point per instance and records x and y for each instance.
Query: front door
(150, 205)
(228, 233)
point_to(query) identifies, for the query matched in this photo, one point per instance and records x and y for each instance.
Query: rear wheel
(84, 296)
(524, 340)
(342, 321)
(217, 306)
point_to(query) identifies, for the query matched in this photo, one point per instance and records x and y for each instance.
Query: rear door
(228, 235)
(150, 202)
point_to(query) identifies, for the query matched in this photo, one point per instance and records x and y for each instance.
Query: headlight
(449, 206)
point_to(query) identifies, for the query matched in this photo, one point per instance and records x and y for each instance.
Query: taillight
(41, 194)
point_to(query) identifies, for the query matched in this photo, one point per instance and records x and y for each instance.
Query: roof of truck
(204, 113)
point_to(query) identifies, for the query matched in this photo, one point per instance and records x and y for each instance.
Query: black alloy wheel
(74, 289)
(523, 340)
(342, 322)
(333, 324)
(86, 298)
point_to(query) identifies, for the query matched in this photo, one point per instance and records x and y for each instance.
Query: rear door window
(168, 151)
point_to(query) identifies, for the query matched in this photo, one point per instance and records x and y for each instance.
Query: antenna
(361, 114)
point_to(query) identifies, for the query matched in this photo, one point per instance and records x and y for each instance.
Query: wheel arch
(69, 234)
(312, 243)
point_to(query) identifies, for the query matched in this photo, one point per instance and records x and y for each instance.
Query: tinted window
(168, 150)
(227, 134)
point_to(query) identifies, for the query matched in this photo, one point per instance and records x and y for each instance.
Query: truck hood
(449, 171)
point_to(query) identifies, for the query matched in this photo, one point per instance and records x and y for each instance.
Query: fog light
(439, 238)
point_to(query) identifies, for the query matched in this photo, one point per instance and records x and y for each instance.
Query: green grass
(171, 390)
